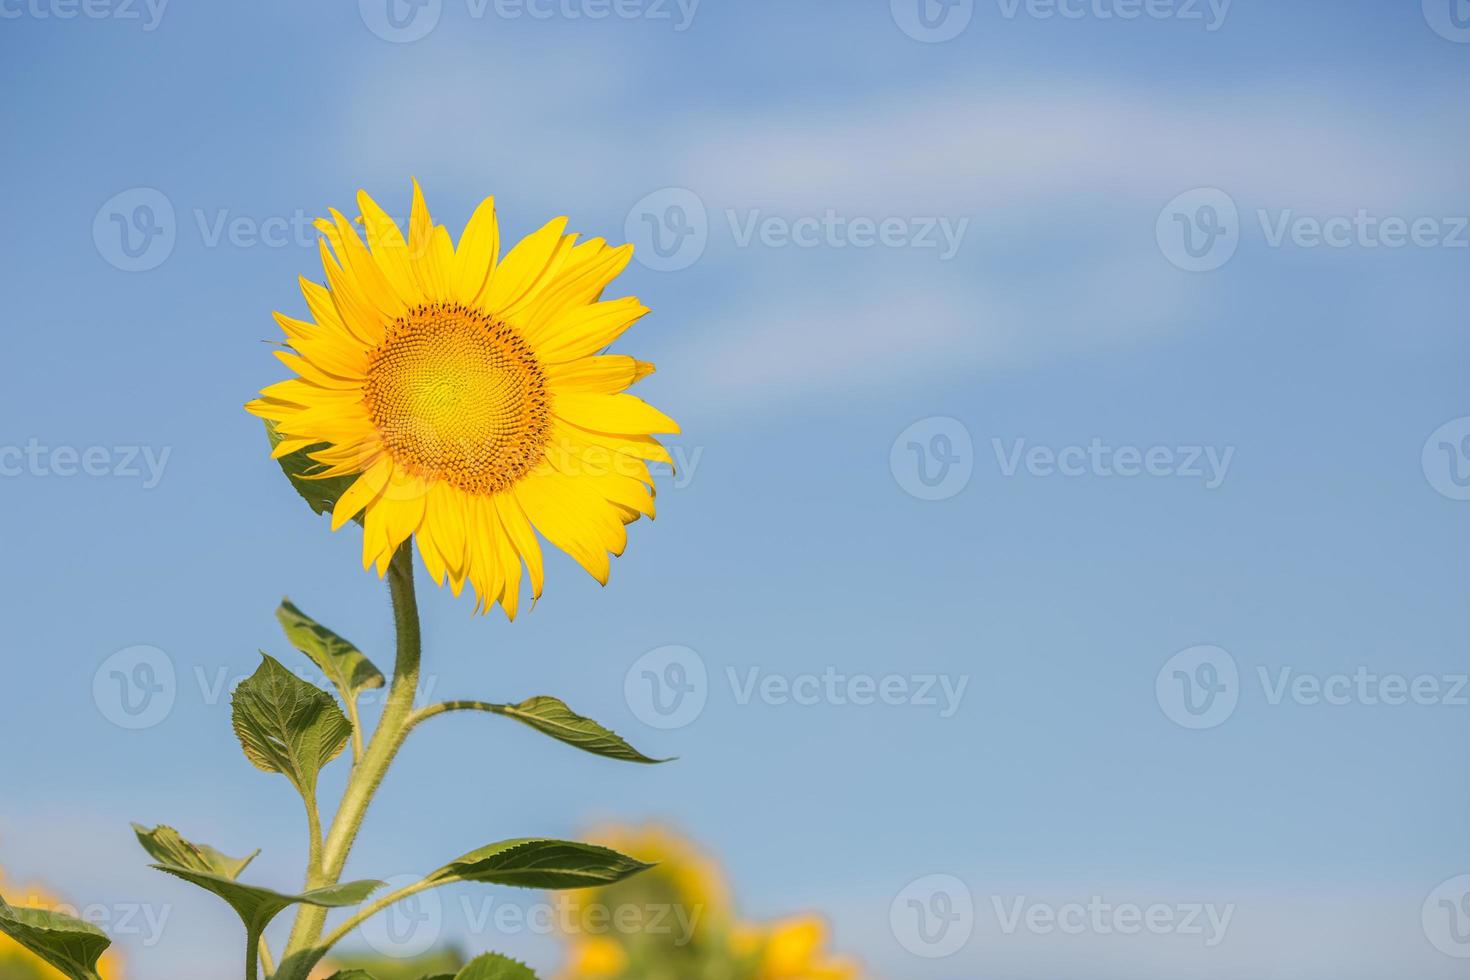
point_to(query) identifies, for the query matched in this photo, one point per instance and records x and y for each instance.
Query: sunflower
(470, 397)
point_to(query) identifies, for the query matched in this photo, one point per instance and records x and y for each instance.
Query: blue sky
(1060, 324)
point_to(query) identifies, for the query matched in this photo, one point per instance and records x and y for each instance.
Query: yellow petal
(366, 273)
(360, 494)
(573, 519)
(588, 269)
(527, 267)
(479, 248)
(607, 374)
(586, 329)
(611, 413)
(522, 537)
(388, 247)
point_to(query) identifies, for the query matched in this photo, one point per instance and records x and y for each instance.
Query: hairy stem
(266, 963)
(368, 911)
(303, 949)
(429, 711)
(252, 950)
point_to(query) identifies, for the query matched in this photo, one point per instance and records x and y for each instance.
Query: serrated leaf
(351, 975)
(342, 663)
(321, 495)
(70, 945)
(257, 906)
(533, 862)
(493, 966)
(288, 726)
(167, 846)
(551, 716)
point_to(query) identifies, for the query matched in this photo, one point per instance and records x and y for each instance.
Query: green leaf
(166, 846)
(321, 495)
(70, 945)
(552, 716)
(351, 975)
(493, 966)
(342, 663)
(288, 726)
(532, 862)
(258, 906)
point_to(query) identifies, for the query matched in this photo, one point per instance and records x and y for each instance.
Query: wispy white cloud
(1047, 168)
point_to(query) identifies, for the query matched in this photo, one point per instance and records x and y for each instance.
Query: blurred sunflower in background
(467, 397)
(19, 963)
(678, 923)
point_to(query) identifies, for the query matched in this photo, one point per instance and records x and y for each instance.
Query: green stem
(429, 711)
(266, 963)
(368, 911)
(303, 949)
(252, 950)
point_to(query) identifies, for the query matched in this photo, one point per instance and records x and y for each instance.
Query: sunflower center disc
(458, 396)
